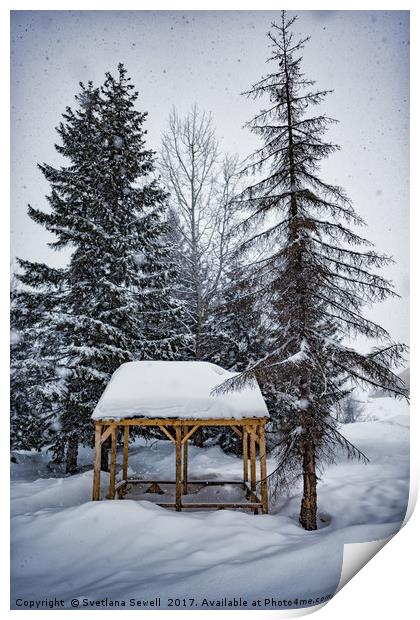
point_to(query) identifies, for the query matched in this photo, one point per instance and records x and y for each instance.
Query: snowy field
(66, 546)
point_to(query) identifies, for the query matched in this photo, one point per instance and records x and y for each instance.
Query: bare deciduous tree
(201, 184)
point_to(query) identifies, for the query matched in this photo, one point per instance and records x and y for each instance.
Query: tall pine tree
(315, 277)
(107, 207)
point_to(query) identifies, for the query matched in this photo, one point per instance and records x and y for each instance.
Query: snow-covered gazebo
(179, 398)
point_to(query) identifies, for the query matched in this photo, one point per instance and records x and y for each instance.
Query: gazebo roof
(155, 389)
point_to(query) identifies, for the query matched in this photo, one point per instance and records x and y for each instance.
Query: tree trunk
(59, 453)
(308, 507)
(105, 455)
(71, 455)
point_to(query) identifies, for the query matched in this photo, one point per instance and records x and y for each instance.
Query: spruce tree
(315, 277)
(32, 373)
(109, 210)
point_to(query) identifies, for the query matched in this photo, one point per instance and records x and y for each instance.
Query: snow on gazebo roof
(152, 389)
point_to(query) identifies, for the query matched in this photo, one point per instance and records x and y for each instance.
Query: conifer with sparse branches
(316, 275)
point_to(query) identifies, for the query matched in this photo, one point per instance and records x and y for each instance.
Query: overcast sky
(209, 58)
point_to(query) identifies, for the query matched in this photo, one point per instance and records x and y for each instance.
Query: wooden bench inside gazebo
(179, 398)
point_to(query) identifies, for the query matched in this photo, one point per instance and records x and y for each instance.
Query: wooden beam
(185, 463)
(252, 505)
(252, 458)
(190, 432)
(263, 469)
(112, 469)
(178, 488)
(167, 433)
(107, 433)
(236, 430)
(245, 436)
(183, 422)
(125, 453)
(190, 482)
(254, 426)
(96, 490)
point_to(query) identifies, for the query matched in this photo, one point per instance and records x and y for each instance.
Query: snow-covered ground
(66, 546)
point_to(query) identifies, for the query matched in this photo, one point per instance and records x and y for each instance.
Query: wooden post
(252, 458)
(125, 454)
(263, 469)
(96, 491)
(245, 451)
(185, 463)
(178, 481)
(113, 462)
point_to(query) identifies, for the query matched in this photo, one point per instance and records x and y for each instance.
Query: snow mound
(69, 546)
(153, 389)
